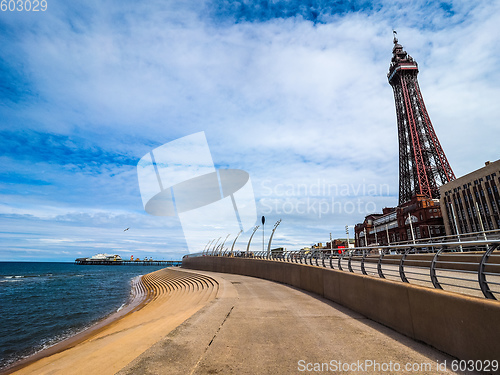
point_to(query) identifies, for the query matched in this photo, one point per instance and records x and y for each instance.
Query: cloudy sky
(293, 92)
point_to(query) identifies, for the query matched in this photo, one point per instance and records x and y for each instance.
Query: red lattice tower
(423, 166)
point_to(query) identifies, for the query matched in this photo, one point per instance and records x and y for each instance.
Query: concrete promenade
(255, 326)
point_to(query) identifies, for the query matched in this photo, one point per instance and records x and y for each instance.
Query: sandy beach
(166, 299)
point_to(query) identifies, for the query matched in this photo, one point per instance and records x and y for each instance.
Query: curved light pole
(250, 240)
(232, 247)
(206, 246)
(213, 249)
(222, 246)
(271, 238)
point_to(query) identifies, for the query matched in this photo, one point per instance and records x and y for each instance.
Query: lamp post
(271, 238)
(250, 240)
(213, 249)
(207, 246)
(232, 247)
(456, 225)
(480, 220)
(411, 227)
(263, 222)
(347, 236)
(222, 246)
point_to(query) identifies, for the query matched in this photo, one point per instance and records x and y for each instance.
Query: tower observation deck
(423, 166)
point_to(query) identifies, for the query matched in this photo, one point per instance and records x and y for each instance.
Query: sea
(42, 303)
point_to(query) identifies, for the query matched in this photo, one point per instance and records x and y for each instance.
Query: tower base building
(471, 203)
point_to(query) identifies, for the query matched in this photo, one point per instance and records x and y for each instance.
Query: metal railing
(468, 267)
(493, 234)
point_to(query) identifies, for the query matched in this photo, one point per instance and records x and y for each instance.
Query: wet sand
(166, 298)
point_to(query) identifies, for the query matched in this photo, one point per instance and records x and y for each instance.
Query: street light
(387, 234)
(347, 234)
(213, 249)
(207, 246)
(232, 247)
(222, 246)
(271, 238)
(250, 240)
(263, 222)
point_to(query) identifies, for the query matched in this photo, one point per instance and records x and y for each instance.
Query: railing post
(363, 263)
(379, 266)
(433, 275)
(340, 259)
(483, 283)
(349, 263)
(401, 267)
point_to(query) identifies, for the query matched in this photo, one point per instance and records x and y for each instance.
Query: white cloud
(287, 100)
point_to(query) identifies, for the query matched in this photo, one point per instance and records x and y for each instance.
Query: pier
(121, 262)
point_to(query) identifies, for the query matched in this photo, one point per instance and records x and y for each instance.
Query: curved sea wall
(462, 326)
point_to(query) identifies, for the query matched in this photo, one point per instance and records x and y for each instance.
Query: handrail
(407, 263)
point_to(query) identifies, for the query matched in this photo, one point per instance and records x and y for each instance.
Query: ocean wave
(10, 280)
(29, 276)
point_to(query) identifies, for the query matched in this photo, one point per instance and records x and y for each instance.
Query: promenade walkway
(256, 326)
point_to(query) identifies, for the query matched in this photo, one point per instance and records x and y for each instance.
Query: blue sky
(293, 92)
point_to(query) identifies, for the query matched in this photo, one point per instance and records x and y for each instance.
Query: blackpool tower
(423, 166)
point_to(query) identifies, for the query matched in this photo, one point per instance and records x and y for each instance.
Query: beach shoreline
(137, 300)
(163, 300)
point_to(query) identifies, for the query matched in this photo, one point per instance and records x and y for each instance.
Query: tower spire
(423, 166)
